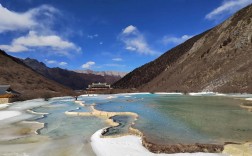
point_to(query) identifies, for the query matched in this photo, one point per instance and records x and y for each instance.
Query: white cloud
(51, 61)
(92, 36)
(175, 40)
(63, 63)
(11, 20)
(54, 62)
(117, 59)
(135, 41)
(130, 29)
(33, 40)
(131, 48)
(227, 7)
(88, 64)
(101, 43)
(14, 48)
(37, 22)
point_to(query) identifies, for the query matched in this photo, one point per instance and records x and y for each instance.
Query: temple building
(98, 86)
(7, 95)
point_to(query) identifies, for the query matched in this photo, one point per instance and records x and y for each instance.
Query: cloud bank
(54, 62)
(88, 65)
(36, 24)
(227, 7)
(32, 40)
(92, 36)
(175, 40)
(135, 41)
(118, 59)
(14, 21)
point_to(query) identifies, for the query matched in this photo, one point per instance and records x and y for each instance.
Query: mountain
(103, 73)
(216, 60)
(26, 81)
(109, 76)
(68, 78)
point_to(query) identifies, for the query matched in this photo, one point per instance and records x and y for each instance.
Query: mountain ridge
(71, 79)
(102, 73)
(26, 81)
(216, 60)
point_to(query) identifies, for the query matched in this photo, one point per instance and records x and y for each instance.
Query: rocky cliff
(216, 60)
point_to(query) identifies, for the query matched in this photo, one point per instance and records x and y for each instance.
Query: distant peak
(34, 63)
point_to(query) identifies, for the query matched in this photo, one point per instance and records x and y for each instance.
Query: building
(7, 95)
(98, 86)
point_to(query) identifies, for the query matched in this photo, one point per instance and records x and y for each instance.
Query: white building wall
(5, 100)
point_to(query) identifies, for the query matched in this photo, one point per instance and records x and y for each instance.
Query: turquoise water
(169, 119)
(58, 125)
(62, 134)
(164, 119)
(122, 129)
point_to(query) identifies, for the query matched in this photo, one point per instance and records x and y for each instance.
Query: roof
(99, 83)
(4, 89)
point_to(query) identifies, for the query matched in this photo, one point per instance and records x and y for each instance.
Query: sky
(118, 35)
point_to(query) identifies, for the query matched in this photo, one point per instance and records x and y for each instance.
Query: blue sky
(105, 34)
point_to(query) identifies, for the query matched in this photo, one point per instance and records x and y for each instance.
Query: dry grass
(26, 81)
(217, 60)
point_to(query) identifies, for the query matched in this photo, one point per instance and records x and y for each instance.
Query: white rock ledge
(128, 146)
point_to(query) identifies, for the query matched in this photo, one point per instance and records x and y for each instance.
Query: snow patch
(129, 145)
(166, 93)
(8, 114)
(89, 95)
(3, 106)
(249, 99)
(202, 93)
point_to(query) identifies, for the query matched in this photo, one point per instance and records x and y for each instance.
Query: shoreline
(42, 124)
(247, 104)
(182, 148)
(170, 149)
(248, 107)
(152, 147)
(101, 114)
(80, 103)
(36, 126)
(7, 114)
(3, 106)
(130, 144)
(37, 113)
